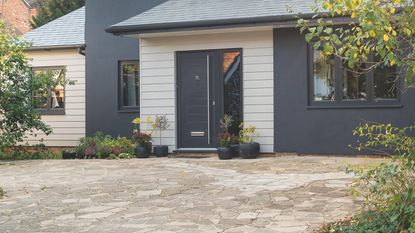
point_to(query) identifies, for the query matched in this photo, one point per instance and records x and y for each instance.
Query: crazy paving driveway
(282, 194)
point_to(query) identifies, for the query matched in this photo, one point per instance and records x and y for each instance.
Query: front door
(209, 86)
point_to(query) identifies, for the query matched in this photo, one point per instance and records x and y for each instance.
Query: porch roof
(181, 14)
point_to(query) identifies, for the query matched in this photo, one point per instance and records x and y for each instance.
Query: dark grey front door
(195, 107)
(209, 86)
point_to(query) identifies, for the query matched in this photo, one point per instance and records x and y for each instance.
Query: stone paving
(279, 194)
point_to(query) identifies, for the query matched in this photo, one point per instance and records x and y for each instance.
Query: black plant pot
(225, 153)
(68, 155)
(257, 147)
(248, 151)
(161, 151)
(142, 152)
(235, 150)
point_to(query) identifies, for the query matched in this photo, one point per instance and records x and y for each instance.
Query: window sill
(131, 110)
(362, 106)
(51, 112)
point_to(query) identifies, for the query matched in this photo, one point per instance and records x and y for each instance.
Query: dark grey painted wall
(321, 131)
(104, 51)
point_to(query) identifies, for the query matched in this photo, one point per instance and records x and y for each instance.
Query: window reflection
(232, 76)
(130, 84)
(324, 77)
(385, 80)
(49, 96)
(354, 85)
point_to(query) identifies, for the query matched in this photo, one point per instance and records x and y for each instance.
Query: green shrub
(37, 152)
(387, 188)
(102, 146)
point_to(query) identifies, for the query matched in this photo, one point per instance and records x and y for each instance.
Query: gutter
(56, 47)
(150, 28)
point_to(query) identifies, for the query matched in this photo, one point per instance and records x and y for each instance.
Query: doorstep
(194, 153)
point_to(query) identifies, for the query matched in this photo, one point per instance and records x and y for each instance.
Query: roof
(202, 13)
(31, 3)
(66, 31)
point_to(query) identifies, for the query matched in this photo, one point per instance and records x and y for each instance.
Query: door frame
(216, 62)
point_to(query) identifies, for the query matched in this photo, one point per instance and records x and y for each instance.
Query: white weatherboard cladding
(68, 128)
(158, 77)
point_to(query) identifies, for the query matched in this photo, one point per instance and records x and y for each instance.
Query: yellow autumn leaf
(393, 62)
(394, 33)
(386, 37)
(339, 11)
(148, 119)
(353, 15)
(392, 10)
(137, 121)
(372, 33)
(397, 1)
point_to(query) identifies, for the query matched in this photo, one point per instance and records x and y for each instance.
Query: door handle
(208, 96)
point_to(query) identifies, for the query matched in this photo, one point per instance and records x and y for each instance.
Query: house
(18, 13)
(58, 47)
(198, 60)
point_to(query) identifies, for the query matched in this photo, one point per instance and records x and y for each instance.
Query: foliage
(37, 152)
(50, 10)
(137, 122)
(109, 146)
(1, 193)
(387, 188)
(102, 146)
(385, 28)
(227, 139)
(161, 123)
(226, 122)
(87, 147)
(18, 116)
(143, 139)
(247, 134)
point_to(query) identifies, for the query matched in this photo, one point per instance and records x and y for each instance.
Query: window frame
(121, 107)
(339, 102)
(49, 110)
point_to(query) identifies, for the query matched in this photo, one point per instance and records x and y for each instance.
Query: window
(49, 94)
(385, 83)
(232, 88)
(129, 96)
(354, 85)
(333, 84)
(323, 77)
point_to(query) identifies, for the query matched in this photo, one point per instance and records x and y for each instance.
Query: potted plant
(161, 123)
(69, 154)
(248, 149)
(225, 141)
(143, 144)
(225, 123)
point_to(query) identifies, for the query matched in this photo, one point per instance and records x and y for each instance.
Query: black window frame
(121, 107)
(339, 102)
(49, 110)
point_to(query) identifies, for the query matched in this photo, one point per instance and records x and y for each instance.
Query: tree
(17, 114)
(383, 28)
(50, 10)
